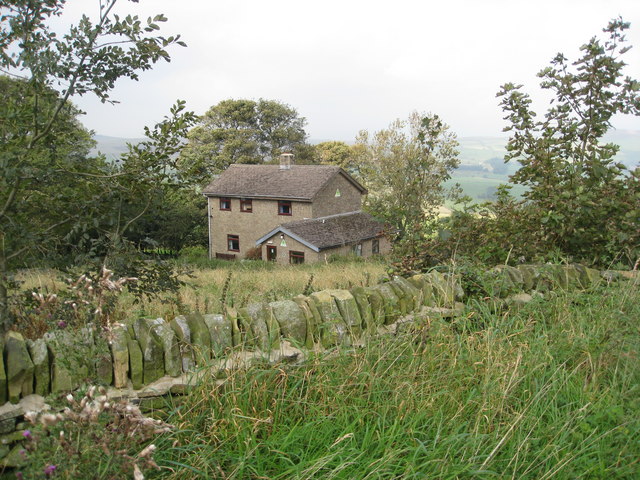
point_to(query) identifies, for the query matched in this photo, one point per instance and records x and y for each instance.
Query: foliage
(239, 131)
(540, 392)
(580, 201)
(84, 301)
(404, 168)
(92, 438)
(337, 153)
(44, 166)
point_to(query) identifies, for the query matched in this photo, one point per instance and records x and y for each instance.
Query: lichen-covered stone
(136, 363)
(104, 368)
(587, 277)
(405, 302)
(15, 458)
(200, 338)
(377, 305)
(172, 360)
(348, 309)
(238, 330)
(181, 328)
(507, 280)
(71, 357)
(529, 276)
(152, 347)
(518, 300)
(391, 302)
(19, 366)
(221, 334)
(3, 375)
(291, 319)
(364, 307)
(312, 314)
(332, 330)
(263, 325)
(442, 289)
(61, 377)
(120, 355)
(410, 291)
(40, 358)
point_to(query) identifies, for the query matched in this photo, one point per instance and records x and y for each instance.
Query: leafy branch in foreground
(584, 203)
(44, 164)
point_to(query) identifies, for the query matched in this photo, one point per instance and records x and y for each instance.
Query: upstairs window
(225, 204)
(246, 205)
(296, 257)
(284, 207)
(233, 243)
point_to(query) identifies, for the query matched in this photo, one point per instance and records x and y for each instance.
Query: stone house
(292, 213)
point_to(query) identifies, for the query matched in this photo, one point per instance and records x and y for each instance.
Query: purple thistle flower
(19, 475)
(62, 324)
(49, 469)
(27, 434)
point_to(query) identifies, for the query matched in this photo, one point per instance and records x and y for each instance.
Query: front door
(272, 253)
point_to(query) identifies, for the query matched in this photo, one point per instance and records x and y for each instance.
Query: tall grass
(549, 391)
(247, 281)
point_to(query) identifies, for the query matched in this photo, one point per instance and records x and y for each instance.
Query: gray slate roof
(331, 231)
(300, 182)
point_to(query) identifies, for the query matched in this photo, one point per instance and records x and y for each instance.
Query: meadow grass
(549, 391)
(247, 281)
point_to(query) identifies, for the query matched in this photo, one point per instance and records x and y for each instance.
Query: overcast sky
(351, 65)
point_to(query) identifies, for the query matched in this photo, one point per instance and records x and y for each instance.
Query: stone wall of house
(338, 196)
(148, 350)
(311, 256)
(249, 226)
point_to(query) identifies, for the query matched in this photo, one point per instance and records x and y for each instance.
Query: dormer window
(246, 205)
(225, 204)
(284, 207)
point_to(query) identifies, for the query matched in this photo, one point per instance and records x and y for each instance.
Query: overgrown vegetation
(579, 203)
(546, 391)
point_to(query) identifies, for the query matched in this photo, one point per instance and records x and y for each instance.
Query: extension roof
(332, 231)
(300, 182)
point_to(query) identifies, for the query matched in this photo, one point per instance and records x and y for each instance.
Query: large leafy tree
(240, 131)
(404, 168)
(44, 161)
(585, 203)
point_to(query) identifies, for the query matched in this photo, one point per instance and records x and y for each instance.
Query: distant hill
(112, 147)
(482, 166)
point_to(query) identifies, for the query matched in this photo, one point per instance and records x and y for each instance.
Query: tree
(404, 168)
(42, 141)
(337, 153)
(240, 131)
(586, 205)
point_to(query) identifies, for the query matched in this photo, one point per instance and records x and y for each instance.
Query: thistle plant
(93, 437)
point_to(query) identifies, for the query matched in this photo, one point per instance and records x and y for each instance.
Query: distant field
(482, 188)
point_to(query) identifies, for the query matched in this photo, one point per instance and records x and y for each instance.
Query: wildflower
(31, 416)
(27, 434)
(19, 475)
(49, 469)
(48, 420)
(62, 324)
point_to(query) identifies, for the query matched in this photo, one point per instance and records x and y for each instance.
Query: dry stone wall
(149, 349)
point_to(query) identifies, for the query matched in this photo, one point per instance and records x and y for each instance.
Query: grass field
(247, 281)
(550, 391)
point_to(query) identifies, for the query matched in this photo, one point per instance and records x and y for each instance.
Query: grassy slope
(549, 391)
